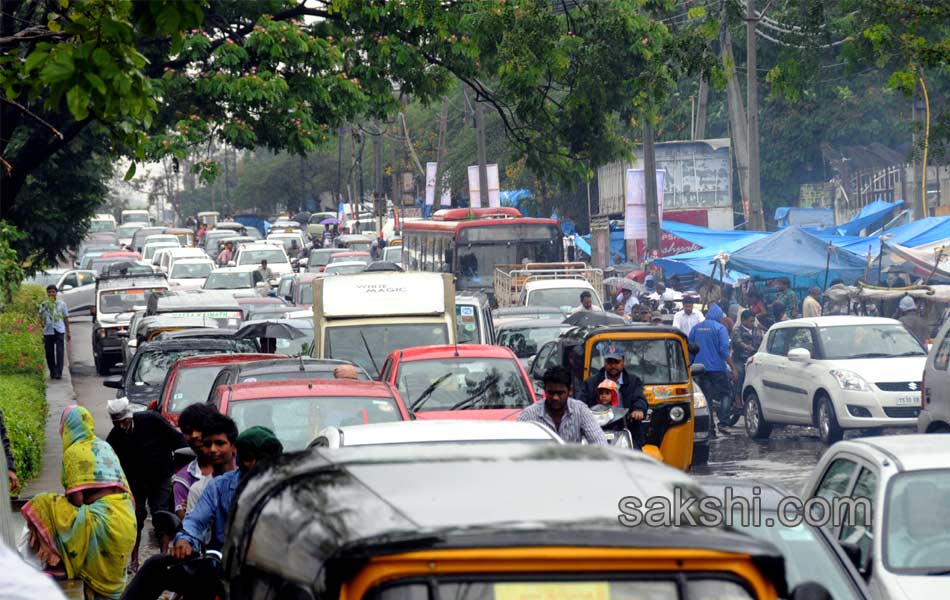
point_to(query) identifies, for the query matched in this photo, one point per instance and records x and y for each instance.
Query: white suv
(250, 255)
(935, 398)
(835, 373)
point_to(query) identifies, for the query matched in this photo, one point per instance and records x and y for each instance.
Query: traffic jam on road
(463, 404)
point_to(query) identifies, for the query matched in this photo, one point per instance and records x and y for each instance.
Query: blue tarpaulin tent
(701, 261)
(798, 255)
(920, 233)
(255, 221)
(871, 218)
(819, 218)
(703, 236)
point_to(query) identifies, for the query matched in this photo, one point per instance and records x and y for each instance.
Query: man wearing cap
(144, 442)
(630, 388)
(688, 317)
(254, 445)
(911, 320)
(656, 318)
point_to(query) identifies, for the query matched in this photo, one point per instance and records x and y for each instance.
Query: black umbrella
(589, 318)
(303, 217)
(382, 265)
(269, 329)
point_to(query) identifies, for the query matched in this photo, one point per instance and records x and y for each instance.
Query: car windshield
(149, 250)
(306, 294)
(229, 281)
(135, 217)
(192, 386)
(127, 231)
(338, 258)
(917, 523)
(358, 246)
(117, 301)
(393, 254)
(462, 383)
(191, 270)
(559, 297)
(868, 341)
(369, 345)
(525, 341)
(296, 347)
(321, 259)
(254, 257)
(153, 366)
(654, 361)
(287, 241)
(99, 226)
(296, 421)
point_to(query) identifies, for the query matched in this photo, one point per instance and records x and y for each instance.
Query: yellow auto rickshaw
(486, 521)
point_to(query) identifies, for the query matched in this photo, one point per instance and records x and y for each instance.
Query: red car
(469, 381)
(351, 256)
(297, 409)
(189, 380)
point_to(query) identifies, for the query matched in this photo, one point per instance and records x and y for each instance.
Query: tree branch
(32, 115)
(31, 34)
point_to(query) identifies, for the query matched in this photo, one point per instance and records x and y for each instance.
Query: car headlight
(699, 398)
(677, 414)
(849, 380)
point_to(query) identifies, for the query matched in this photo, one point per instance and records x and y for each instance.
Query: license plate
(908, 400)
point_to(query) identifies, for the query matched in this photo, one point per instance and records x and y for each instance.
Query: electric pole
(756, 218)
(440, 152)
(649, 178)
(378, 202)
(480, 145)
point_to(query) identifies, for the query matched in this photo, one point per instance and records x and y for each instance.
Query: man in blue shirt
(715, 354)
(55, 316)
(254, 445)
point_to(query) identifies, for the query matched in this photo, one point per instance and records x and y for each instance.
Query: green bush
(21, 345)
(23, 401)
(26, 300)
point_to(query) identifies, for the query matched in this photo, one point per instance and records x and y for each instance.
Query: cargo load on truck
(510, 280)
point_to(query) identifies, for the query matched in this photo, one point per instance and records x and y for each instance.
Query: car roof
(302, 388)
(346, 263)
(197, 301)
(198, 332)
(189, 344)
(261, 300)
(282, 365)
(449, 505)
(532, 324)
(125, 282)
(193, 260)
(770, 495)
(207, 360)
(453, 351)
(354, 253)
(910, 452)
(420, 432)
(240, 269)
(835, 321)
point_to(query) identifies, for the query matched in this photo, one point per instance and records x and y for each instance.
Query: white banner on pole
(474, 194)
(446, 199)
(431, 169)
(494, 187)
(635, 209)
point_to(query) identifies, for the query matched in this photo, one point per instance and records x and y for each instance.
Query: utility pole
(480, 146)
(440, 151)
(699, 124)
(339, 168)
(649, 178)
(737, 116)
(378, 201)
(756, 218)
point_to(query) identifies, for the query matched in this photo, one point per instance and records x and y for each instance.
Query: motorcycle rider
(629, 385)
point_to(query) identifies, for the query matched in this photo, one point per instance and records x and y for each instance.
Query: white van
(136, 216)
(363, 317)
(102, 223)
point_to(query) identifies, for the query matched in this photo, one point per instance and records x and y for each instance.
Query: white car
(562, 293)
(835, 373)
(903, 547)
(171, 255)
(190, 273)
(150, 248)
(345, 268)
(435, 432)
(236, 278)
(251, 255)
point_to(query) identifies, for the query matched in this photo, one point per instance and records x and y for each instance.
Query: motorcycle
(612, 420)
(203, 567)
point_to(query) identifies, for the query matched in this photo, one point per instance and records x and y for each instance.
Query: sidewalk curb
(59, 394)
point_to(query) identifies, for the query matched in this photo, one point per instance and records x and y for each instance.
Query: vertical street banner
(635, 209)
(494, 187)
(446, 199)
(474, 194)
(431, 169)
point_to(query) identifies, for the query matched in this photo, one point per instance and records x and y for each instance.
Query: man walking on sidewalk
(55, 317)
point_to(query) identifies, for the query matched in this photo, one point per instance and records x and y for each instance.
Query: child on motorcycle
(608, 393)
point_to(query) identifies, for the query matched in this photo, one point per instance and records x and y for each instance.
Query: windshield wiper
(944, 572)
(909, 353)
(481, 390)
(428, 392)
(871, 355)
(369, 352)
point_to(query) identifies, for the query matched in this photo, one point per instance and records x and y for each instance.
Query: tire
(939, 428)
(828, 429)
(756, 426)
(700, 454)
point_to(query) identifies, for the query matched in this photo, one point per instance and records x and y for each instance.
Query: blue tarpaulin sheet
(703, 236)
(259, 223)
(920, 233)
(787, 216)
(617, 245)
(701, 261)
(798, 255)
(871, 218)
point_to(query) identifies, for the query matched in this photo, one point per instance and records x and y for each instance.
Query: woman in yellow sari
(91, 530)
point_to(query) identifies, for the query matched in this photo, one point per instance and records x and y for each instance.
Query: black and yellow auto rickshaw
(673, 430)
(492, 521)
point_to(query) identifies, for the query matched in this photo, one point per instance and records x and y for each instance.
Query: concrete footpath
(59, 395)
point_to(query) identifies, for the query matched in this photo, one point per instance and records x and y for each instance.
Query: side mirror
(66, 288)
(113, 381)
(799, 355)
(117, 369)
(697, 368)
(809, 590)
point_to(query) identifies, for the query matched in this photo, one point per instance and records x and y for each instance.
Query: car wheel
(828, 427)
(97, 359)
(939, 428)
(700, 454)
(755, 424)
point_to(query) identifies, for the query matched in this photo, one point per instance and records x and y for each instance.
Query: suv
(834, 373)
(562, 293)
(117, 299)
(935, 387)
(250, 255)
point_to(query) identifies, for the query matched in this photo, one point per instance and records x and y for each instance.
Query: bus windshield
(477, 262)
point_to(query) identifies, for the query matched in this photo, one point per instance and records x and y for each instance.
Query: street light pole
(756, 218)
(649, 180)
